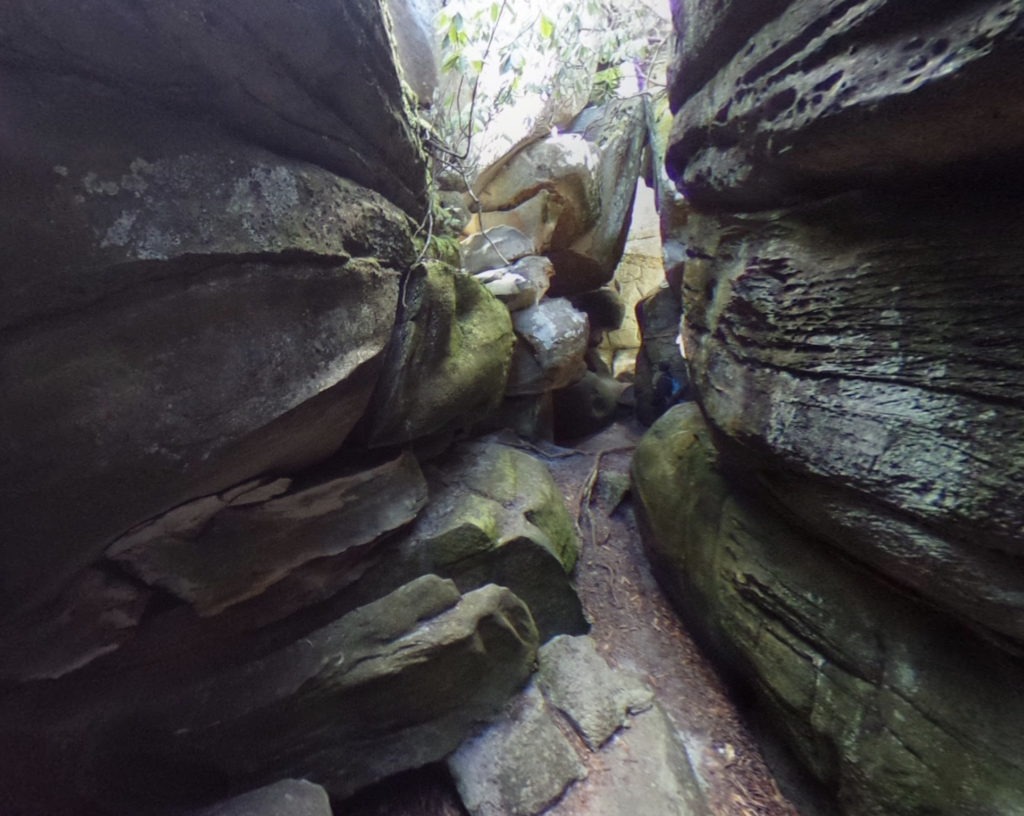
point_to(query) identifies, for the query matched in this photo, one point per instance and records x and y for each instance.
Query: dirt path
(636, 630)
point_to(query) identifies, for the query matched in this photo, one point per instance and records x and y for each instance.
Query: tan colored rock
(618, 131)
(565, 165)
(498, 247)
(544, 218)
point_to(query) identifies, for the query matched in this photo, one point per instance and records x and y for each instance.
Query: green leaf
(547, 28)
(453, 34)
(495, 11)
(458, 22)
(478, 65)
(451, 61)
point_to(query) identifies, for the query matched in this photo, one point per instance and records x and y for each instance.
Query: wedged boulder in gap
(494, 249)
(560, 172)
(178, 389)
(619, 131)
(859, 362)
(662, 377)
(221, 550)
(551, 346)
(520, 765)
(289, 797)
(542, 218)
(578, 682)
(586, 406)
(91, 618)
(520, 285)
(390, 686)
(868, 686)
(819, 100)
(495, 516)
(103, 195)
(316, 81)
(448, 361)
(419, 50)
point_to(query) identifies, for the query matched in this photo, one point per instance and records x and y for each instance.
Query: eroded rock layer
(851, 304)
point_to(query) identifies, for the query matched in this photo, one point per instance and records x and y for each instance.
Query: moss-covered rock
(495, 516)
(891, 704)
(449, 357)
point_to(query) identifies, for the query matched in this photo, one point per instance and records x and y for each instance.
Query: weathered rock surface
(520, 285)
(559, 172)
(869, 686)
(551, 344)
(519, 765)
(318, 82)
(577, 681)
(419, 51)
(221, 550)
(544, 218)
(390, 686)
(497, 248)
(851, 306)
(878, 382)
(91, 618)
(825, 99)
(495, 516)
(448, 361)
(619, 132)
(290, 797)
(182, 388)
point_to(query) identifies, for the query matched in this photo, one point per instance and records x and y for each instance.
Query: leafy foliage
(496, 53)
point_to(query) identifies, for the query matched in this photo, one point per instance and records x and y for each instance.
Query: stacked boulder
(841, 518)
(235, 549)
(549, 228)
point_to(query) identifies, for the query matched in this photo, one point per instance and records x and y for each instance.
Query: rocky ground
(637, 632)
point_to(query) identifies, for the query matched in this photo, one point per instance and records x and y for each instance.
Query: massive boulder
(317, 81)
(869, 687)
(851, 310)
(618, 131)
(391, 685)
(814, 100)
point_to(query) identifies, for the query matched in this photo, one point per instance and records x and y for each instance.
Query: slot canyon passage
(665, 460)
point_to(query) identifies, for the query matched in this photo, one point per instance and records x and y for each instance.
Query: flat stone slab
(646, 773)
(289, 797)
(520, 765)
(579, 683)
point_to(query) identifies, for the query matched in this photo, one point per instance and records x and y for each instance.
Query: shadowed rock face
(869, 687)
(394, 684)
(851, 300)
(828, 96)
(317, 81)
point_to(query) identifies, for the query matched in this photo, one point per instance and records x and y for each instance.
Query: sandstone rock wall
(851, 316)
(223, 562)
